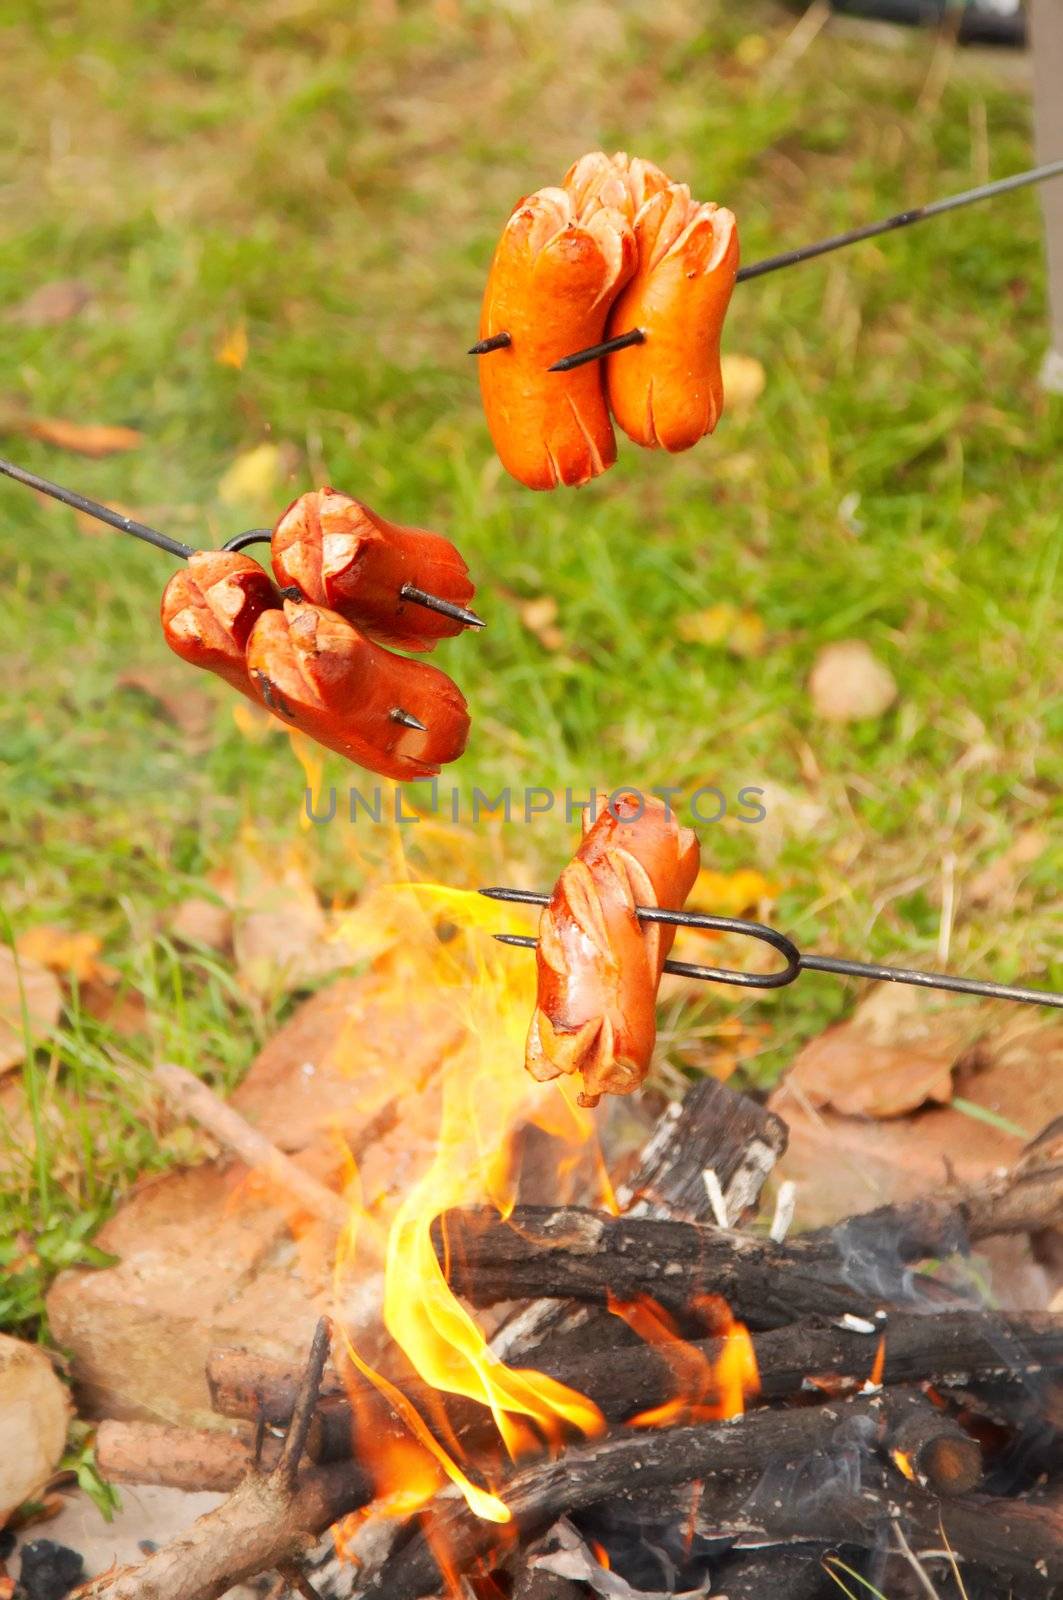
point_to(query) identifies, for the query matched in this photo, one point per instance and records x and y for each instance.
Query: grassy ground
(334, 177)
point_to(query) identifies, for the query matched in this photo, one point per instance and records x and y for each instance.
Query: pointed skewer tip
(407, 719)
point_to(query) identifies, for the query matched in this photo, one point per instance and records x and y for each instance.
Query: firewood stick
(964, 1346)
(201, 1105)
(571, 1253)
(712, 1130)
(930, 1444)
(1014, 1540)
(1026, 1199)
(178, 1458)
(268, 1521)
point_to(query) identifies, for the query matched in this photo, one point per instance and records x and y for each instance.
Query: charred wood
(571, 1253)
(950, 1347)
(818, 1450)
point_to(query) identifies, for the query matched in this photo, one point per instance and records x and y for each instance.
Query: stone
(34, 1412)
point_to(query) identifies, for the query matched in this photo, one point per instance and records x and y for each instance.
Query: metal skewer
(808, 252)
(239, 541)
(796, 960)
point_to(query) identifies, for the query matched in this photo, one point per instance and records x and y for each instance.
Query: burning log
(1017, 1541)
(929, 1446)
(624, 1379)
(568, 1252)
(887, 1455)
(865, 1260)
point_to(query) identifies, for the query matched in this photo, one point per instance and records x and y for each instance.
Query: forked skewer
(796, 960)
(176, 547)
(808, 252)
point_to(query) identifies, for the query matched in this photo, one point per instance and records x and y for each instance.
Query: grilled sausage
(340, 554)
(555, 274)
(209, 608)
(668, 392)
(599, 967)
(317, 673)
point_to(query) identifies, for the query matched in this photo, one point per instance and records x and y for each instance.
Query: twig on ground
(233, 1133)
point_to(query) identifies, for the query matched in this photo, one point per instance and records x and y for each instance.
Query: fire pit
(709, 1409)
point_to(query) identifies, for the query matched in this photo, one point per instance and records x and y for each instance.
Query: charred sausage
(599, 967)
(340, 554)
(668, 392)
(556, 271)
(316, 672)
(209, 608)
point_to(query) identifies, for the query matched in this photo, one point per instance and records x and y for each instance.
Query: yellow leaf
(87, 438)
(253, 476)
(729, 894)
(740, 631)
(231, 349)
(71, 955)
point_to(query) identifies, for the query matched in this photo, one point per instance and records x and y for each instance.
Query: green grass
(336, 175)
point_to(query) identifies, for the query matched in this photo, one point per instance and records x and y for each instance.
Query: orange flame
(903, 1462)
(707, 1390)
(878, 1366)
(485, 1097)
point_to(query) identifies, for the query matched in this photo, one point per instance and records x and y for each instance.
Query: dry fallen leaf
(849, 684)
(50, 304)
(845, 1164)
(43, 1003)
(895, 1053)
(231, 350)
(69, 955)
(539, 616)
(202, 921)
(86, 438)
(737, 628)
(743, 381)
(997, 883)
(124, 1011)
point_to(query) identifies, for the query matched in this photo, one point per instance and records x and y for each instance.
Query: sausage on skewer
(316, 672)
(668, 391)
(341, 554)
(209, 608)
(599, 967)
(555, 273)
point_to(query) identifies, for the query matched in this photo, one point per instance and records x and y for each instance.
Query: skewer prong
(623, 341)
(446, 608)
(239, 541)
(796, 961)
(407, 719)
(497, 341)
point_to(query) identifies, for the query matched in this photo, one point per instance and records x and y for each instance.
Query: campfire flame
(706, 1390)
(445, 941)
